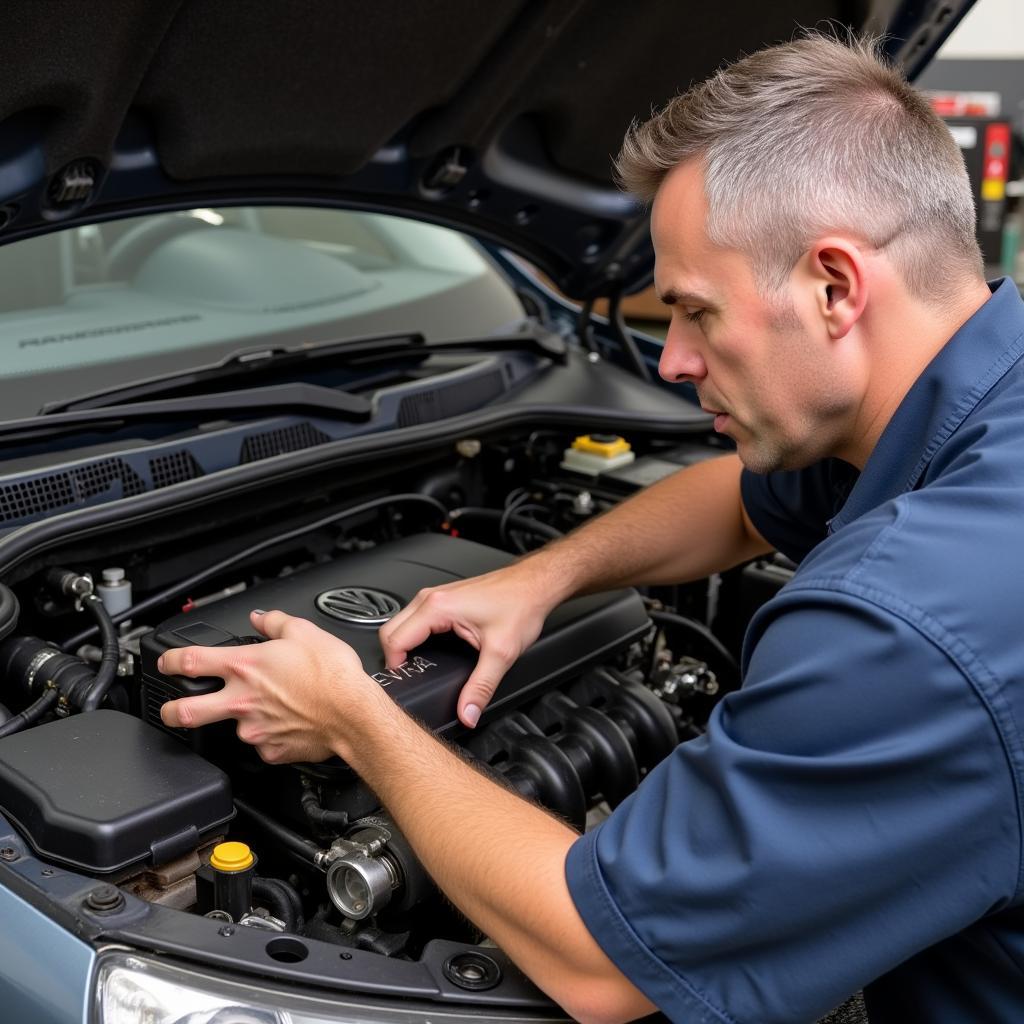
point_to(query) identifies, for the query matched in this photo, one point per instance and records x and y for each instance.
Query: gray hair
(810, 137)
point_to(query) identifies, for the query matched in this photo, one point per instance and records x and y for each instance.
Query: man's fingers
(276, 625)
(399, 617)
(480, 687)
(196, 661)
(192, 712)
(407, 636)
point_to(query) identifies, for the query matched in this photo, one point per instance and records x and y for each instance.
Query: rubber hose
(303, 848)
(9, 611)
(276, 900)
(107, 672)
(294, 901)
(617, 322)
(585, 328)
(698, 630)
(31, 714)
(195, 579)
(519, 522)
(315, 811)
(5, 714)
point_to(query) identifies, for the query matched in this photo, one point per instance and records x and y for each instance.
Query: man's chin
(755, 462)
(761, 459)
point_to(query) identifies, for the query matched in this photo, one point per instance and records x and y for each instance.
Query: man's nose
(680, 361)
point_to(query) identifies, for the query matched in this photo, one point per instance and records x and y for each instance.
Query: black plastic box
(102, 791)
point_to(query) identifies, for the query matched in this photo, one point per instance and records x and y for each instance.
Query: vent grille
(284, 439)
(173, 468)
(451, 399)
(155, 694)
(67, 489)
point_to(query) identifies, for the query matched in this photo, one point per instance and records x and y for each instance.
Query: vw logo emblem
(359, 605)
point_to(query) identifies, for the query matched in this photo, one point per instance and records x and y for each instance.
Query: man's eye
(694, 317)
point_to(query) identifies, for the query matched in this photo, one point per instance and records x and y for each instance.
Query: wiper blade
(308, 398)
(254, 362)
(246, 363)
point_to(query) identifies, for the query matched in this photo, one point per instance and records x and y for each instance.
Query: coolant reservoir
(597, 453)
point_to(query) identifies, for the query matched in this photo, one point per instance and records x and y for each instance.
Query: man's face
(768, 375)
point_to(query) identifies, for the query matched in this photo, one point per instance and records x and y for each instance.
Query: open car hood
(499, 118)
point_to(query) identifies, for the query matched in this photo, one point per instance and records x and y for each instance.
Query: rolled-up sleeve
(851, 805)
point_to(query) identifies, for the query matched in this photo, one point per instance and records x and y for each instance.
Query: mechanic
(852, 817)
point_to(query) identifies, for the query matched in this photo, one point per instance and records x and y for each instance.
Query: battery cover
(103, 791)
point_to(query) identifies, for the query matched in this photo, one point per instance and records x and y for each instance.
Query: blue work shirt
(852, 818)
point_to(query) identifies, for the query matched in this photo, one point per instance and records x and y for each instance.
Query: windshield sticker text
(99, 332)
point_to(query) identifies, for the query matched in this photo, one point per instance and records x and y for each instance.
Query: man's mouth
(721, 418)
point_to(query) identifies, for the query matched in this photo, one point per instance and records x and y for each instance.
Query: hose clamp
(37, 662)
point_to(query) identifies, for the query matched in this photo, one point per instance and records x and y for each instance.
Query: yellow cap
(603, 444)
(231, 857)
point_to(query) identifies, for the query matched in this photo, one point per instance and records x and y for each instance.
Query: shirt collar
(966, 368)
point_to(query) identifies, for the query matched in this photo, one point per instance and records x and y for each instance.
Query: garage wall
(992, 30)
(985, 53)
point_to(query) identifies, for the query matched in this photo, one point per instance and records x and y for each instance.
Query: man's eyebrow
(670, 298)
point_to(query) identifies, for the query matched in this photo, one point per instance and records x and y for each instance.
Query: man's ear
(839, 278)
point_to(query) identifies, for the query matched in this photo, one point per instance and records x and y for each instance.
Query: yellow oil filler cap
(231, 857)
(605, 445)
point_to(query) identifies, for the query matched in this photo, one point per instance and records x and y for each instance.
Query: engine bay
(172, 826)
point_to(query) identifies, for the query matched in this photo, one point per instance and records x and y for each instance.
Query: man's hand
(500, 613)
(290, 695)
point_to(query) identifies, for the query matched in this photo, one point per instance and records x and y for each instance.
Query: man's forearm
(682, 528)
(499, 858)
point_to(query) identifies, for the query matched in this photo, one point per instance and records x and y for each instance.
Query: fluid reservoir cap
(231, 857)
(113, 576)
(605, 445)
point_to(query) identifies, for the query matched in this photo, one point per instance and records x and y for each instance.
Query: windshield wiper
(308, 398)
(254, 363)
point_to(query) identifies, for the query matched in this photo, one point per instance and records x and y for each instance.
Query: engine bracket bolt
(226, 930)
(8, 853)
(105, 899)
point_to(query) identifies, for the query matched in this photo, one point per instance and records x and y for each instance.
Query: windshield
(92, 307)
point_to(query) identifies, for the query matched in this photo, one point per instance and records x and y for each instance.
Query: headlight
(132, 989)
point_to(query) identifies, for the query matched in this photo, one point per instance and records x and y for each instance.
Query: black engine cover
(580, 633)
